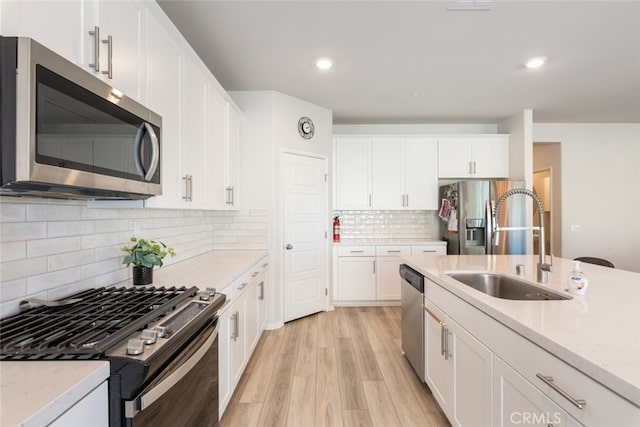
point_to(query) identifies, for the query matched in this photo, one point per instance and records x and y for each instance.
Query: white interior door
(305, 241)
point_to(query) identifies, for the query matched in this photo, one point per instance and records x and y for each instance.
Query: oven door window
(77, 129)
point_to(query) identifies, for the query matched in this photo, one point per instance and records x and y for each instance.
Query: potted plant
(144, 255)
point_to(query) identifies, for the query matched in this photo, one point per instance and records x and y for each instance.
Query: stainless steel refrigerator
(465, 214)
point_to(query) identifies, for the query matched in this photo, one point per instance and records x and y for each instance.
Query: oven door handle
(155, 393)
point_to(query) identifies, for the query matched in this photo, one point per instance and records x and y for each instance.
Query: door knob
(288, 246)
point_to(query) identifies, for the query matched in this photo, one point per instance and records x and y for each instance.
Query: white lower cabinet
(458, 370)
(518, 402)
(482, 373)
(370, 273)
(356, 277)
(91, 410)
(241, 323)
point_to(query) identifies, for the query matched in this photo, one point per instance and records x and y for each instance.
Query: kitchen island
(596, 334)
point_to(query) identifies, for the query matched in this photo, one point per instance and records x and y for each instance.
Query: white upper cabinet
(34, 19)
(353, 173)
(121, 36)
(386, 173)
(474, 157)
(232, 156)
(421, 173)
(164, 68)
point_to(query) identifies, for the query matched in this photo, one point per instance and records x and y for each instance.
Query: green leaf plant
(146, 253)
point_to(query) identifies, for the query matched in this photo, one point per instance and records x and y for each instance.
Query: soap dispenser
(577, 282)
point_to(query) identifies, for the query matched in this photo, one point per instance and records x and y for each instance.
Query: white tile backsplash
(388, 224)
(53, 248)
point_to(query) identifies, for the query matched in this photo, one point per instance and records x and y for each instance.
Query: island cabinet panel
(603, 406)
(471, 357)
(517, 401)
(458, 369)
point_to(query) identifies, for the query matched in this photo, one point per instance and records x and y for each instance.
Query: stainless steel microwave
(68, 134)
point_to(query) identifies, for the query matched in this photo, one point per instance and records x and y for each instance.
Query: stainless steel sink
(505, 287)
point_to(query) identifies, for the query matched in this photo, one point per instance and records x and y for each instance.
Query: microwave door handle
(155, 152)
(137, 159)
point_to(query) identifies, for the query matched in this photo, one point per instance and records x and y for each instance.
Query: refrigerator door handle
(489, 227)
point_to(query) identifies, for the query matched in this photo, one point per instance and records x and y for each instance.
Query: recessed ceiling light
(536, 62)
(324, 63)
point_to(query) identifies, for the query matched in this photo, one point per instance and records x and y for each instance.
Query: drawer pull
(393, 252)
(356, 252)
(578, 403)
(429, 250)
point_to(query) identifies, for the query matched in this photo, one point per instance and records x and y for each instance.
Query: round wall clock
(305, 127)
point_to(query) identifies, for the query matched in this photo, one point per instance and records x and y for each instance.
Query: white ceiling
(466, 66)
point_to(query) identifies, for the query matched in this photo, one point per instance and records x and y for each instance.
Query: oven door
(186, 392)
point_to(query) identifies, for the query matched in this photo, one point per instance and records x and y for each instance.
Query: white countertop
(598, 334)
(214, 269)
(36, 393)
(402, 242)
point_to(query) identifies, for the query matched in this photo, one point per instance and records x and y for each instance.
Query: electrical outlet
(575, 228)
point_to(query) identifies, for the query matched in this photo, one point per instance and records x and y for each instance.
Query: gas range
(142, 331)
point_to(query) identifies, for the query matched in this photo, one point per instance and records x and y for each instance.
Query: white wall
(600, 189)
(270, 128)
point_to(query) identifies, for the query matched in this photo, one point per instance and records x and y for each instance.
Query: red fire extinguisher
(336, 229)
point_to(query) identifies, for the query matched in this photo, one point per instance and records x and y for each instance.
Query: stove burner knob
(148, 336)
(135, 346)
(160, 331)
(204, 295)
(212, 291)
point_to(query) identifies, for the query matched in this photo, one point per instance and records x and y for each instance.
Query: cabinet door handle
(474, 168)
(447, 355)
(229, 201)
(96, 48)
(236, 325)
(442, 339)
(407, 204)
(261, 284)
(374, 266)
(470, 168)
(370, 200)
(109, 42)
(578, 403)
(188, 181)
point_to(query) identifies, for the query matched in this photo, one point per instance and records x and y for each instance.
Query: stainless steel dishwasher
(412, 291)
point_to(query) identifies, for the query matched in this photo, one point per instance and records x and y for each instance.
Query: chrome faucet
(542, 267)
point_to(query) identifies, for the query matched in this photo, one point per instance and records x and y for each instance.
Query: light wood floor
(338, 368)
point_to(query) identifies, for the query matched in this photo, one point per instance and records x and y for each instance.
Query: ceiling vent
(471, 5)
